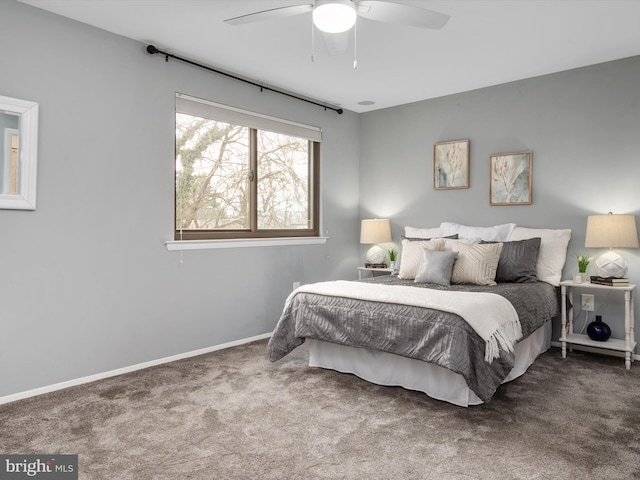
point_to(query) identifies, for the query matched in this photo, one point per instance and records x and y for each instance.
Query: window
(243, 175)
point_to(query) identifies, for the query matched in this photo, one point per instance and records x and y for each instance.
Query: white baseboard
(585, 348)
(132, 368)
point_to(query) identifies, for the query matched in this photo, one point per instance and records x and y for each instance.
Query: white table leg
(627, 328)
(563, 316)
(633, 321)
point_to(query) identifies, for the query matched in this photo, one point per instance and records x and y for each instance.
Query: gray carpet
(233, 415)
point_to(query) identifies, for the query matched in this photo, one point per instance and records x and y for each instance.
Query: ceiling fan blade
(269, 14)
(336, 43)
(398, 14)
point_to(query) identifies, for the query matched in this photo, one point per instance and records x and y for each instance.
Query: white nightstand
(626, 345)
(385, 271)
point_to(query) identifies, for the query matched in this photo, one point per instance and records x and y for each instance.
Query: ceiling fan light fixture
(335, 16)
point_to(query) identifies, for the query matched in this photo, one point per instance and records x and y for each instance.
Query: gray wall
(583, 127)
(86, 283)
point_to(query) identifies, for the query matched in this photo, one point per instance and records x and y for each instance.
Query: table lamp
(375, 231)
(611, 231)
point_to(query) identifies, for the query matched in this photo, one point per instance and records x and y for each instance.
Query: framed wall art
(451, 165)
(510, 178)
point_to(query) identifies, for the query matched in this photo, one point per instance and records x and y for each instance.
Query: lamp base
(375, 255)
(610, 264)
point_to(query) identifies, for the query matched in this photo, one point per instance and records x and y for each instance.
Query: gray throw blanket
(442, 338)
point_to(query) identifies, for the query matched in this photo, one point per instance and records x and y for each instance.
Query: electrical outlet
(587, 302)
(296, 285)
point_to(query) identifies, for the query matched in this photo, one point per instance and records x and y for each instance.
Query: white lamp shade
(611, 231)
(334, 16)
(375, 231)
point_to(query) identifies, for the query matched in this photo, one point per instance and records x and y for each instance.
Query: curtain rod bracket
(152, 50)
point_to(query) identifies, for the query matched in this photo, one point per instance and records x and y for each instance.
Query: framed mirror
(18, 153)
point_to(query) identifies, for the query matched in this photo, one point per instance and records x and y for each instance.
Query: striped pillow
(476, 264)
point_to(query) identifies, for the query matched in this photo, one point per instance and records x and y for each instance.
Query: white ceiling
(486, 42)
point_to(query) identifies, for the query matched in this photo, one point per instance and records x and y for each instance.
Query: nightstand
(385, 271)
(626, 345)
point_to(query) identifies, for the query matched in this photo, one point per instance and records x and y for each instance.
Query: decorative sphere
(610, 264)
(375, 255)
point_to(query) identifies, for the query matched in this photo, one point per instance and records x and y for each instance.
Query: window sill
(242, 243)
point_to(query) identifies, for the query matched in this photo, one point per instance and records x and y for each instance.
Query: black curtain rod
(152, 50)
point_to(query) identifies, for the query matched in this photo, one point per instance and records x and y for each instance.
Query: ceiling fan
(336, 17)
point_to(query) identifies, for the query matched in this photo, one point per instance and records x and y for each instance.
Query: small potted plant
(393, 254)
(583, 263)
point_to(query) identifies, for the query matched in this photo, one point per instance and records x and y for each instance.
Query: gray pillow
(436, 267)
(518, 261)
(454, 236)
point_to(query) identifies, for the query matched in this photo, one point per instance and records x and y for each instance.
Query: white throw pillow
(476, 264)
(413, 232)
(552, 254)
(412, 256)
(497, 233)
(450, 242)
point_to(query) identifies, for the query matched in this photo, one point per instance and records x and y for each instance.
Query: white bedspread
(492, 316)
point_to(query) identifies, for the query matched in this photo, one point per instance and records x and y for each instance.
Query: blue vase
(598, 330)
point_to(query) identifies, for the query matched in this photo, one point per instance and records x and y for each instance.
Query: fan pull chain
(355, 45)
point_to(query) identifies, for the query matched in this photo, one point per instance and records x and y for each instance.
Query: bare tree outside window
(283, 181)
(212, 188)
(217, 164)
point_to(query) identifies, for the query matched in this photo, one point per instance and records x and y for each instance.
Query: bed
(454, 336)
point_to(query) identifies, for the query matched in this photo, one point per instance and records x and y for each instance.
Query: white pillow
(497, 233)
(552, 254)
(450, 242)
(476, 264)
(413, 232)
(412, 256)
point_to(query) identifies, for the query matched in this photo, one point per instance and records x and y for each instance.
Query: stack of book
(612, 282)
